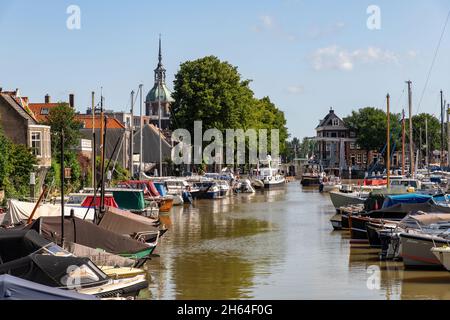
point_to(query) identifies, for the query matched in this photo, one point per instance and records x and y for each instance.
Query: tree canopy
(16, 164)
(213, 91)
(63, 117)
(370, 127)
(434, 131)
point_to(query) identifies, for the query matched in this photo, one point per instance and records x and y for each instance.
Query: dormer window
(44, 111)
(335, 122)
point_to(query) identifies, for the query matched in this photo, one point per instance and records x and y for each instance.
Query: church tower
(159, 96)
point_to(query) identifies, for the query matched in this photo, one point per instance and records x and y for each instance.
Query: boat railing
(142, 236)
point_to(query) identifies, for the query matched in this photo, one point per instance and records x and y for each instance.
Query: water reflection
(274, 245)
(215, 249)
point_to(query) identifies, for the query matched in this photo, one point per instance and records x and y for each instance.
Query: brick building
(337, 149)
(21, 126)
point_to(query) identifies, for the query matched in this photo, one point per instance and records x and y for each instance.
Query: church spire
(160, 72)
(160, 53)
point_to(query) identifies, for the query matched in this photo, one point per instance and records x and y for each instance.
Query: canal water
(275, 245)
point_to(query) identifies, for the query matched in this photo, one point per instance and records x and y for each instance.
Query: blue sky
(307, 56)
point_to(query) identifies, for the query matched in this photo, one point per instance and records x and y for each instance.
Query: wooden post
(62, 187)
(411, 141)
(38, 203)
(403, 143)
(388, 137)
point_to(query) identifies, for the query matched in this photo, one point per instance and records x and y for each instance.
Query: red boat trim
(411, 257)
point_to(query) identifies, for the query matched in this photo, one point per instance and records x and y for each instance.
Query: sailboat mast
(388, 137)
(102, 166)
(93, 139)
(442, 128)
(403, 142)
(426, 141)
(448, 135)
(62, 186)
(411, 143)
(132, 135)
(141, 146)
(160, 80)
(160, 130)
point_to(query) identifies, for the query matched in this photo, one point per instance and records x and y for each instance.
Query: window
(36, 144)
(352, 146)
(44, 111)
(358, 158)
(364, 158)
(335, 122)
(352, 135)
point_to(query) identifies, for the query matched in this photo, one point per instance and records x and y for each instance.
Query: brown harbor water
(275, 245)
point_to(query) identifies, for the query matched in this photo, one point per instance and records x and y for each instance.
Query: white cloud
(317, 32)
(412, 54)
(267, 21)
(269, 24)
(334, 57)
(297, 89)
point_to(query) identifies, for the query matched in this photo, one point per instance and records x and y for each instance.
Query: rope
(434, 60)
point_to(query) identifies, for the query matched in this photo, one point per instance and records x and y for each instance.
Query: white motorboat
(443, 255)
(175, 188)
(244, 186)
(347, 197)
(267, 174)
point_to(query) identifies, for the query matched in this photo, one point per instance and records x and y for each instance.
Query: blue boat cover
(13, 288)
(161, 189)
(406, 198)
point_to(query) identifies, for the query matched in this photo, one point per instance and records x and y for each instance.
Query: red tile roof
(86, 119)
(41, 110)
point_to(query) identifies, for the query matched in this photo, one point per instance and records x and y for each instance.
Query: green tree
(5, 165)
(268, 116)
(16, 164)
(370, 126)
(22, 162)
(434, 131)
(63, 117)
(292, 149)
(212, 91)
(307, 148)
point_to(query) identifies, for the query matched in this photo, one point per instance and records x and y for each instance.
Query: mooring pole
(388, 137)
(63, 176)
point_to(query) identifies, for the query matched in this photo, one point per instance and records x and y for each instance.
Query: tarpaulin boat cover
(15, 244)
(19, 211)
(161, 188)
(406, 198)
(89, 202)
(54, 271)
(125, 222)
(87, 234)
(129, 199)
(13, 288)
(146, 185)
(402, 209)
(97, 256)
(427, 219)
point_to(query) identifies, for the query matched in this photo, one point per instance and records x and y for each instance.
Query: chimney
(47, 98)
(1, 89)
(72, 100)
